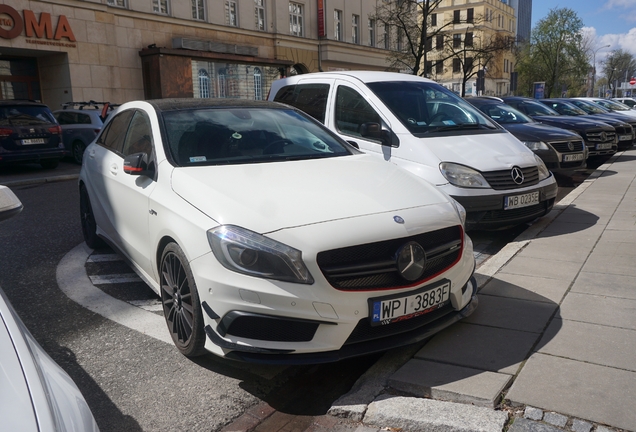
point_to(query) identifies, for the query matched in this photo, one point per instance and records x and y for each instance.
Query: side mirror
(375, 131)
(137, 164)
(10, 205)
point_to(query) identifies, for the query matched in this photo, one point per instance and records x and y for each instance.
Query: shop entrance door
(19, 78)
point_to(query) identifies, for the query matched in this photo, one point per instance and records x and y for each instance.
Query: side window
(310, 98)
(352, 110)
(83, 119)
(138, 139)
(65, 118)
(113, 137)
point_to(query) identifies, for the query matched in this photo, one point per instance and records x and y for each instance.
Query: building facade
(119, 50)
(469, 29)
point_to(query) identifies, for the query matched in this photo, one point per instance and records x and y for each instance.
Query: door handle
(114, 169)
(91, 154)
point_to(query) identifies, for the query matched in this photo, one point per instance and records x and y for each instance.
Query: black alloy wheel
(78, 151)
(180, 300)
(87, 218)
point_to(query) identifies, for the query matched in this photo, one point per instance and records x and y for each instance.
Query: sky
(606, 22)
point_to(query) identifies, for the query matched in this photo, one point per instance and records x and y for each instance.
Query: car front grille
(515, 214)
(598, 137)
(563, 146)
(502, 180)
(373, 266)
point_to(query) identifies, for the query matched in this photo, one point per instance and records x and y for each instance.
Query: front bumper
(487, 211)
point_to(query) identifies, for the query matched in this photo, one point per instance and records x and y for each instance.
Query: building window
(160, 7)
(204, 84)
(400, 39)
(468, 66)
(222, 81)
(470, 15)
(258, 84)
(371, 32)
(337, 24)
(456, 18)
(428, 69)
(457, 40)
(296, 19)
(457, 67)
(198, 10)
(439, 67)
(355, 29)
(433, 20)
(439, 42)
(118, 3)
(259, 12)
(231, 13)
(468, 40)
(429, 43)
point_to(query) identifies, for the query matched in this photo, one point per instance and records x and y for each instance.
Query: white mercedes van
(425, 128)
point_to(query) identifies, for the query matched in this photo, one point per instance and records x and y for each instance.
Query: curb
(51, 179)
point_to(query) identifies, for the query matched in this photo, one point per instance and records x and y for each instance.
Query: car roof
(189, 103)
(22, 102)
(364, 76)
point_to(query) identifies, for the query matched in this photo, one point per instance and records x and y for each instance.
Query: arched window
(204, 84)
(258, 84)
(222, 83)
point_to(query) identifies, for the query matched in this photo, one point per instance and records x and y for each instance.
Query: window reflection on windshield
(235, 136)
(428, 107)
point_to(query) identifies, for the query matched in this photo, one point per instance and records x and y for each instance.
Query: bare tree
(413, 23)
(619, 66)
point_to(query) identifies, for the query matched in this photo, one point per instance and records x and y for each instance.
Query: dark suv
(600, 138)
(29, 133)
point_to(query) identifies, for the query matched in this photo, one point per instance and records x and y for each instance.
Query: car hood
(573, 122)
(483, 152)
(539, 132)
(266, 197)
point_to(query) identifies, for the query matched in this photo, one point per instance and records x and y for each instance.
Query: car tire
(89, 226)
(49, 163)
(180, 300)
(77, 150)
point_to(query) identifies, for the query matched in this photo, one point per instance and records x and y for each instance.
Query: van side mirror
(10, 205)
(375, 131)
(137, 164)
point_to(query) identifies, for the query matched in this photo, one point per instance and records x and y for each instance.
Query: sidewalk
(552, 345)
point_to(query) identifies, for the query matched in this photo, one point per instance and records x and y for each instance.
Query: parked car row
(31, 133)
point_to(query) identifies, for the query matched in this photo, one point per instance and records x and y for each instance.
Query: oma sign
(12, 25)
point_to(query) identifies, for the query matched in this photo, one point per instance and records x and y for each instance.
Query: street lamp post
(594, 69)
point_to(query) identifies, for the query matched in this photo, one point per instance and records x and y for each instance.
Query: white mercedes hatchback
(270, 239)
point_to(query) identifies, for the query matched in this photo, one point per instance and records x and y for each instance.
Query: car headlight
(536, 145)
(253, 254)
(544, 172)
(462, 176)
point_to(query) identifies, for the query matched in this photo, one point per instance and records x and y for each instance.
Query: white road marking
(96, 258)
(115, 278)
(73, 281)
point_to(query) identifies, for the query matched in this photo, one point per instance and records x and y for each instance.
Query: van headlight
(462, 176)
(544, 172)
(536, 145)
(250, 253)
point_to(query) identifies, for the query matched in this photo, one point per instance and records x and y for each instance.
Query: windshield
(427, 107)
(504, 114)
(215, 136)
(589, 107)
(538, 109)
(565, 108)
(25, 115)
(612, 105)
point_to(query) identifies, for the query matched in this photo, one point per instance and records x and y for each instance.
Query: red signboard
(321, 19)
(632, 81)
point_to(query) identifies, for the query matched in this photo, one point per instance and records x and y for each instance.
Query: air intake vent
(218, 47)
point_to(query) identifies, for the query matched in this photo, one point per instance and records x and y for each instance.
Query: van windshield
(426, 107)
